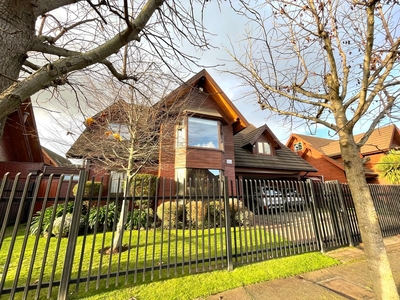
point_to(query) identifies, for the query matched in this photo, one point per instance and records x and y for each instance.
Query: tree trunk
(17, 29)
(378, 263)
(119, 230)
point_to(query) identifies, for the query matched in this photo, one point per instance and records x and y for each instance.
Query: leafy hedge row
(105, 217)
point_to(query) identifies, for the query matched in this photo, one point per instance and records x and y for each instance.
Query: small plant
(171, 214)
(99, 216)
(139, 218)
(46, 219)
(62, 228)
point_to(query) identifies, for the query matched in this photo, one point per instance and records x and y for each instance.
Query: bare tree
(45, 43)
(125, 134)
(331, 63)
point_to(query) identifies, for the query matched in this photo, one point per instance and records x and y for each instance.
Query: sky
(228, 28)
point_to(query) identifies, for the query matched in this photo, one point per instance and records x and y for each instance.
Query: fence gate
(335, 215)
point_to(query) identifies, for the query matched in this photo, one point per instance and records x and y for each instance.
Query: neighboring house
(209, 138)
(20, 150)
(50, 158)
(21, 153)
(324, 154)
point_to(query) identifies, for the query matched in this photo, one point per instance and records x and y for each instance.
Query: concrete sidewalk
(350, 280)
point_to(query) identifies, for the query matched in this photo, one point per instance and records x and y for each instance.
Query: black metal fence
(61, 243)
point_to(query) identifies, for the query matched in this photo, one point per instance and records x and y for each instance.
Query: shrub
(99, 216)
(88, 188)
(145, 185)
(216, 213)
(197, 212)
(240, 215)
(139, 218)
(34, 227)
(171, 214)
(63, 228)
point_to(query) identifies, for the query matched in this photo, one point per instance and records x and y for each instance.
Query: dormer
(260, 141)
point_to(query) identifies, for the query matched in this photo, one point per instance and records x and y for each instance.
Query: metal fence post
(72, 238)
(228, 235)
(314, 214)
(344, 213)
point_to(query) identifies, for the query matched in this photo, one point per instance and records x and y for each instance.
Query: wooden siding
(20, 167)
(325, 168)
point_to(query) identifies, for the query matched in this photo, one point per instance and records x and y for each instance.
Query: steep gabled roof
(251, 136)
(284, 159)
(204, 81)
(55, 159)
(96, 141)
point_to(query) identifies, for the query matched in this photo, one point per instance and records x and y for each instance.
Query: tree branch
(54, 50)
(13, 96)
(43, 6)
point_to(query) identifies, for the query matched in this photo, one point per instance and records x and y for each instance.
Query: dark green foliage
(140, 218)
(143, 185)
(88, 188)
(99, 216)
(34, 228)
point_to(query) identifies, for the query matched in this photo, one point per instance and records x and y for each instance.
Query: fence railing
(61, 243)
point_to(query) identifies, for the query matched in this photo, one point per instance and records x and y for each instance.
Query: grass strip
(199, 286)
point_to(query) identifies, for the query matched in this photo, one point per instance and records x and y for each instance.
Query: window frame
(182, 133)
(261, 146)
(116, 175)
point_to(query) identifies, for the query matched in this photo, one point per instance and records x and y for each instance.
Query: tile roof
(61, 161)
(380, 140)
(284, 159)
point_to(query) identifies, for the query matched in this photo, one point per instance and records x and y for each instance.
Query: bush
(63, 228)
(143, 185)
(240, 215)
(99, 216)
(171, 214)
(197, 212)
(139, 218)
(34, 227)
(88, 188)
(216, 213)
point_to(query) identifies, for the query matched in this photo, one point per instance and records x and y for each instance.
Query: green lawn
(175, 246)
(199, 286)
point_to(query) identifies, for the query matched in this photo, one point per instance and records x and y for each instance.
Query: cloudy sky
(228, 28)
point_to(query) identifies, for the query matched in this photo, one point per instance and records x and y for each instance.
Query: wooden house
(324, 154)
(205, 137)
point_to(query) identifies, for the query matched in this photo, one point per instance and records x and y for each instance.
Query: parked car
(293, 199)
(269, 199)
